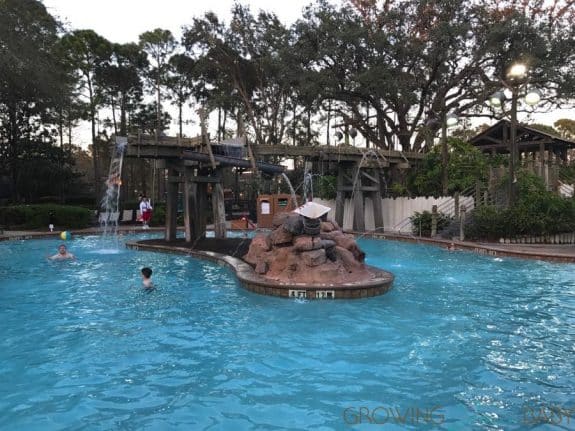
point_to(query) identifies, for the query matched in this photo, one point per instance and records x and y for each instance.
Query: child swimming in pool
(147, 279)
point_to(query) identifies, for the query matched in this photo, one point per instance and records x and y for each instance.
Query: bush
(536, 212)
(327, 186)
(421, 222)
(38, 216)
(158, 215)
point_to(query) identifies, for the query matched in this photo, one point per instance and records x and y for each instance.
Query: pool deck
(564, 253)
(548, 252)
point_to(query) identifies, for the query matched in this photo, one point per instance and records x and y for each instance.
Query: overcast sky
(123, 21)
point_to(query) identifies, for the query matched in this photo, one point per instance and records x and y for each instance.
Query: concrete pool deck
(549, 252)
(564, 253)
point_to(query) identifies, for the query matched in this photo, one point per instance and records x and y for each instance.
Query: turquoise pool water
(461, 342)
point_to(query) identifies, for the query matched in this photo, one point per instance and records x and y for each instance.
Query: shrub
(536, 212)
(158, 215)
(38, 216)
(327, 186)
(421, 222)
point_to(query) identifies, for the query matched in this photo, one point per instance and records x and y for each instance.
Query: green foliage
(566, 127)
(327, 186)
(38, 216)
(158, 215)
(545, 129)
(421, 222)
(537, 212)
(397, 190)
(466, 166)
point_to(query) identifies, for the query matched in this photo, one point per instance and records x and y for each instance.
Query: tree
(467, 165)
(87, 52)
(254, 54)
(158, 44)
(35, 86)
(566, 128)
(120, 81)
(180, 83)
(412, 62)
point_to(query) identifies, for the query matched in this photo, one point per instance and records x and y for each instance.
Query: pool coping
(250, 280)
(478, 248)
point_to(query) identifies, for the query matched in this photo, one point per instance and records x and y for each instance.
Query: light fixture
(338, 135)
(353, 133)
(532, 97)
(517, 71)
(451, 120)
(497, 98)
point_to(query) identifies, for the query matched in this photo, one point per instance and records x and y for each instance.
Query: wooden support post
(434, 221)
(219, 210)
(189, 209)
(340, 198)
(541, 160)
(200, 213)
(477, 193)
(456, 205)
(196, 195)
(377, 205)
(358, 204)
(171, 207)
(462, 211)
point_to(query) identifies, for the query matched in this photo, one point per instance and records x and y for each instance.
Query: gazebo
(532, 143)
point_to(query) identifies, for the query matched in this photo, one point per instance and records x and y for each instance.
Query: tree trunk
(219, 124)
(180, 117)
(123, 125)
(114, 116)
(95, 146)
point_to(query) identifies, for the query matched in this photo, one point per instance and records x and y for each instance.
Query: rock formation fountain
(305, 256)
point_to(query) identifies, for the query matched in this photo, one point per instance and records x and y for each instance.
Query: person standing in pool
(62, 254)
(146, 211)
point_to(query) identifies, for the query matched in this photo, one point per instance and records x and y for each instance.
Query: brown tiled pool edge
(483, 249)
(253, 282)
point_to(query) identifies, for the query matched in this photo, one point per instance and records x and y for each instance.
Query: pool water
(461, 342)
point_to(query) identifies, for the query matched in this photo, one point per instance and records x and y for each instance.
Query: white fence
(396, 211)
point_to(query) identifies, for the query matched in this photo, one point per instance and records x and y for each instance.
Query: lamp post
(449, 120)
(516, 79)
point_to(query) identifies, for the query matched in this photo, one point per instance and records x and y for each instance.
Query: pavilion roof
(496, 138)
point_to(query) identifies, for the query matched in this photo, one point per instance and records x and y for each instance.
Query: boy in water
(63, 253)
(147, 279)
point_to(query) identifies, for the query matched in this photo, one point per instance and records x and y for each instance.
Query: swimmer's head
(146, 272)
(62, 249)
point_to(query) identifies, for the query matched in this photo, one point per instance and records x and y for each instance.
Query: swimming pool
(461, 342)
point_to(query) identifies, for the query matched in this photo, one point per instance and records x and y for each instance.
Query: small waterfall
(111, 201)
(292, 191)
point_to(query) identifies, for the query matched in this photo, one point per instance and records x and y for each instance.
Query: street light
(517, 71)
(533, 97)
(451, 120)
(517, 76)
(497, 98)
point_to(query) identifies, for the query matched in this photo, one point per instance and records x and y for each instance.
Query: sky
(122, 21)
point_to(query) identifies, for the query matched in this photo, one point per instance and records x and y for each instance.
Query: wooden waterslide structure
(193, 163)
